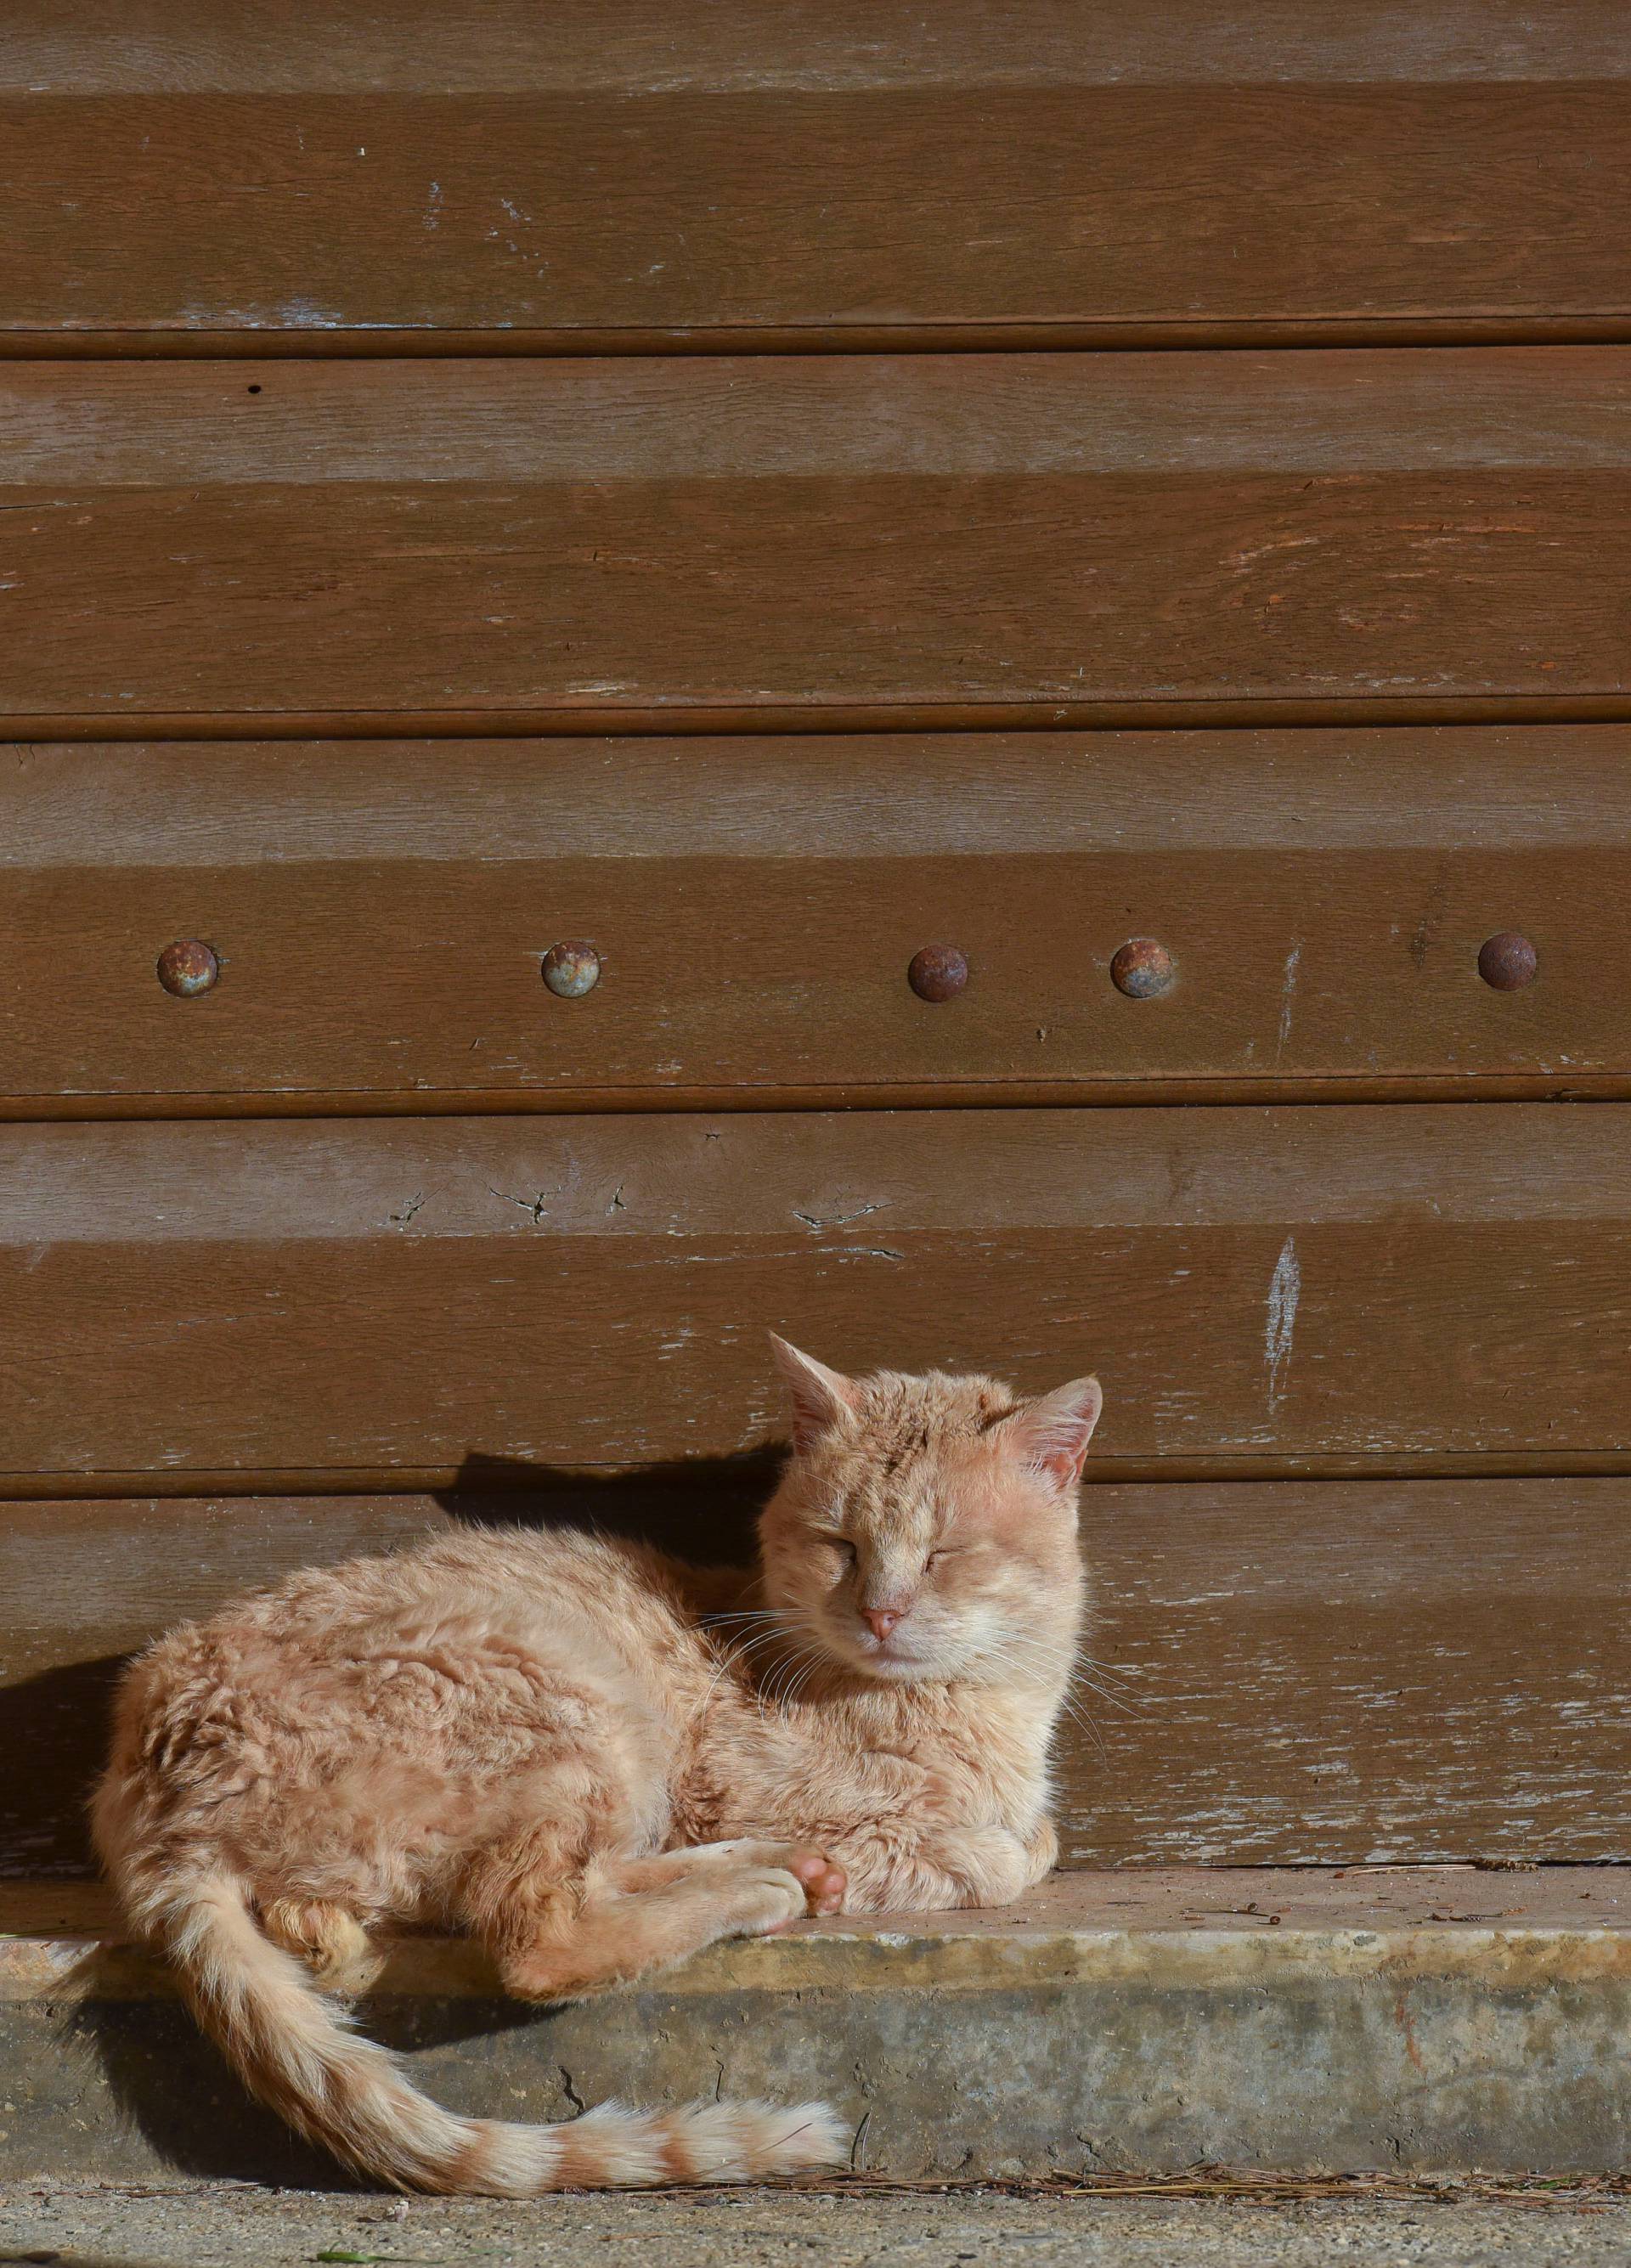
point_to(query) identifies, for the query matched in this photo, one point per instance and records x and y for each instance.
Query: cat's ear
(822, 1398)
(1050, 1435)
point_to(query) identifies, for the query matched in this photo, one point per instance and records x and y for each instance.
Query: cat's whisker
(796, 1672)
(1079, 1715)
(738, 1648)
(1104, 1670)
(1046, 1664)
(1086, 1666)
(1013, 1656)
(806, 1662)
(742, 1657)
(1081, 1670)
(1133, 1703)
(1128, 1706)
(750, 1615)
(783, 1661)
(1096, 1736)
(751, 1641)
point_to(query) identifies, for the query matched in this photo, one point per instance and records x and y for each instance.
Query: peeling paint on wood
(1284, 1290)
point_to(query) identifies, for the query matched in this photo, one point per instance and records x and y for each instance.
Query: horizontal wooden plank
(140, 47)
(856, 171)
(1367, 1284)
(1334, 1672)
(602, 541)
(381, 911)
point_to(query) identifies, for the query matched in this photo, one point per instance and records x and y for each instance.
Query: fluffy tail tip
(709, 2142)
(805, 2138)
(755, 2141)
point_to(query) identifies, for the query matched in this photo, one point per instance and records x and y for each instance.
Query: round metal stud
(1508, 961)
(1143, 968)
(938, 972)
(188, 968)
(571, 969)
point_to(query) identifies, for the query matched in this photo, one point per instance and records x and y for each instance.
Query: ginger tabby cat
(598, 1759)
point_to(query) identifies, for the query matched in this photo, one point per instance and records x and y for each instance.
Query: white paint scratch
(433, 205)
(306, 314)
(1289, 992)
(1285, 1288)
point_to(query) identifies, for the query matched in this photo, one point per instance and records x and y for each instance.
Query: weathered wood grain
(381, 911)
(1366, 1285)
(1053, 537)
(1335, 1672)
(851, 173)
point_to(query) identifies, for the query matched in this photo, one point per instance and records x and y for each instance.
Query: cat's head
(925, 1527)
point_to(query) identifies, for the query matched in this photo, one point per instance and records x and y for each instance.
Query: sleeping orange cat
(598, 1759)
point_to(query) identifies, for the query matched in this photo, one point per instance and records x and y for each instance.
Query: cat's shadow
(170, 2084)
(174, 2088)
(700, 1508)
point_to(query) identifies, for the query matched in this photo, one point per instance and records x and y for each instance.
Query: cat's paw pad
(824, 1883)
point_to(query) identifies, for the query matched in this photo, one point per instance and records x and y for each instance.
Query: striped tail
(294, 2050)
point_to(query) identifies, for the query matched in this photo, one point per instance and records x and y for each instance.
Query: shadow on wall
(700, 1508)
(53, 1737)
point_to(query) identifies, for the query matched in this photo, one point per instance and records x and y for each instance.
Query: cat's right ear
(822, 1398)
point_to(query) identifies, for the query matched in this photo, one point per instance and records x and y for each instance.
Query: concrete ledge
(1441, 2017)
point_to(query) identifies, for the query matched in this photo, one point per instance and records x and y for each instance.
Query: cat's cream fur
(598, 1760)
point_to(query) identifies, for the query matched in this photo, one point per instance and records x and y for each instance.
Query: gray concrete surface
(1441, 2018)
(90, 2228)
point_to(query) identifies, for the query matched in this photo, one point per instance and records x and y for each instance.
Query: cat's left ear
(1050, 1435)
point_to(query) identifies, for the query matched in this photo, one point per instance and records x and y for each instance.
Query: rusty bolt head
(571, 969)
(937, 973)
(1508, 961)
(188, 968)
(1143, 968)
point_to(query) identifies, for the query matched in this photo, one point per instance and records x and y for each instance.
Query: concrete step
(1444, 2018)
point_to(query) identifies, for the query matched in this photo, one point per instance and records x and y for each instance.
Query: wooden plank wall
(863, 171)
(755, 494)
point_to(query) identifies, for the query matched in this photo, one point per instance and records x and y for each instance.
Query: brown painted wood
(381, 910)
(1330, 1673)
(590, 539)
(1361, 1284)
(178, 168)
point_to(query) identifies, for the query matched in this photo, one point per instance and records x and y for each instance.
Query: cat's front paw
(824, 1882)
(764, 1900)
(806, 1879)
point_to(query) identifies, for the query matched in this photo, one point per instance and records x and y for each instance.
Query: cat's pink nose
(881, 1620)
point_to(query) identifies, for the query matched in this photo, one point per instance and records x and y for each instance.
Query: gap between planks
(1609, 328)
(1104, 1472)
(1133, 1093)
(670, 721)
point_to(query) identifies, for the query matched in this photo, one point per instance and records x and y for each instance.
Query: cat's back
(462, 1656)
(469, 1588)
